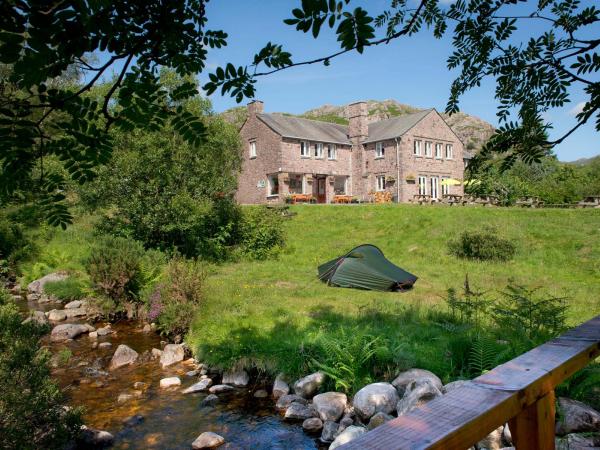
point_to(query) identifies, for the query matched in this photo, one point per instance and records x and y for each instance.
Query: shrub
(33, 415)
(484, 245)
(174, 301)
(262, 232)
(114, 267)
(66, 290)
(14, 245)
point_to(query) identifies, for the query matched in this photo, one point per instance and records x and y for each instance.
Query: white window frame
(379, 150)
(270, 184)
(304, 149)
(422, 185)
(428, 149)
(438, 150)
(252, 150)
(331, 151)
(445, 187)
(319, 150)
(418, 148)
(449, 151)
(380, 183)
(435, 187)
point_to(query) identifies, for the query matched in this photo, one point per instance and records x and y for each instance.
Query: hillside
(585, 161)
(472, 130)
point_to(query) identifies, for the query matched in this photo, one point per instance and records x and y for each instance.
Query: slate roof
(394, 127)
(313, 130)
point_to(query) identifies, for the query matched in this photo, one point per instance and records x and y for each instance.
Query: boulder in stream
(308, 386)
(123, 356)
(236, 378)
(349, 434)
(209, 401)
(404, 380)
(170, 382)
(171, 354)
(201, 385)
(91, 438)
(57, 315)
(37, 286)
(220, 388)
(38, 317)
(69, 331)
(280, 387)
(575, 417)
(330, 405)
(208, 440)
(74, 304)
(374, 398)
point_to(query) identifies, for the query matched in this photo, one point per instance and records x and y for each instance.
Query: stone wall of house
(252, 183)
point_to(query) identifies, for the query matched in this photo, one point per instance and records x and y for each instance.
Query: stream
(169, 419)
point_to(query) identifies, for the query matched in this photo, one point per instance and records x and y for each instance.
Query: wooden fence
(520, 392)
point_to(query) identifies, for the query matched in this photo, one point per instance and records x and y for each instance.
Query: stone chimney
(255, 107)
(358, 128)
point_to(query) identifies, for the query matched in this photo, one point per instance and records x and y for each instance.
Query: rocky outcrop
(405, 379)
(309, 385)
(349, 434)
(123, 356)
(576, 417)
(208, 440)
(416, 394)
(238, 378)
(172, 354)
(374, 398)
(37, 286)
(69, 331)
(330, 405)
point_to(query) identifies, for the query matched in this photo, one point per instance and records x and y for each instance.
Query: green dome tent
(365, 267)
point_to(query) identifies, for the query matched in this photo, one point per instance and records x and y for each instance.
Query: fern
(483, 355)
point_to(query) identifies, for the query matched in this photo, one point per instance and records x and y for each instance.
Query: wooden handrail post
(533, 428)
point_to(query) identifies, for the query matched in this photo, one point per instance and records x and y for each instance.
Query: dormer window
(379, 150)
(252, 149)
(318, 150)
(304, 149)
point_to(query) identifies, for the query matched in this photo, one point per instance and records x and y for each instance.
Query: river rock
(220, 388)
(38, 317)
(261, 393)
(280, 387)
(93, 335)
(330, 405)
(202, 385)
(91, 438)
(209, 401)
(306, 387)
(192, 373)
(104, 331)
(312, 425)
(132, 421)
(492, 441)
(374, 398)
(330, 431)
(405, 379)
(123, 356)
(417, 394)
(124, 398)
(236, 378)
(57, 315)
(147, 328)
(104, 345)
(298, 411)
(455, 385)
(15, 290)
(285, 401)
(156, 352)
(68, 331)
(172, 354)
(170, 382)
(349, 434)
(575, 441)
(378, 419)
(208, 440)
(75, 312)
(75, 304)
(37, 286)
(576, 417)
(33, 297)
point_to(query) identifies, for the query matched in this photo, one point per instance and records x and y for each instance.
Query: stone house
(405, 156)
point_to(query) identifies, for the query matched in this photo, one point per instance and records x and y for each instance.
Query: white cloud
(577, 109)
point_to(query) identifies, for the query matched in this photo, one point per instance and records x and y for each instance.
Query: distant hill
(473, 131)
(585, 161)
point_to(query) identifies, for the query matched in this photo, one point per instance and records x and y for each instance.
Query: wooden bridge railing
(520, 392)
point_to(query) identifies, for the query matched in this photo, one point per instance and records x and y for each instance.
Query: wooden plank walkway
(520, 392)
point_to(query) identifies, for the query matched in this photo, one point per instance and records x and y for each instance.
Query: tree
(41, 41)
(532, 74)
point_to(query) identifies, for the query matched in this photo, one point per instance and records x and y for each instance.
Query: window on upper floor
(380, 179)
(449, 151)
(428, 149)
(304, 149)
(318, 150)
(379, 150)
(417, 150)
(438, 151)
(331, 151)
(252, 149)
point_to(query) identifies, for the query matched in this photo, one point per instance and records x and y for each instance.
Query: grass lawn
(269, 314)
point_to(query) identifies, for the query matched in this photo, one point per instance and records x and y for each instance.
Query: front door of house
(321, 195)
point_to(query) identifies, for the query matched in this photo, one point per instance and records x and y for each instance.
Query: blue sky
(410, 70)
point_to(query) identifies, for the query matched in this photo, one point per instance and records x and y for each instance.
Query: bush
(33, 415)
(114, 267)
(175, 299)
(484, 245)
(262, 232)
(13, 243)
(66, 290)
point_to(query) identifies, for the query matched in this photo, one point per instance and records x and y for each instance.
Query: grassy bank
(271, 313)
